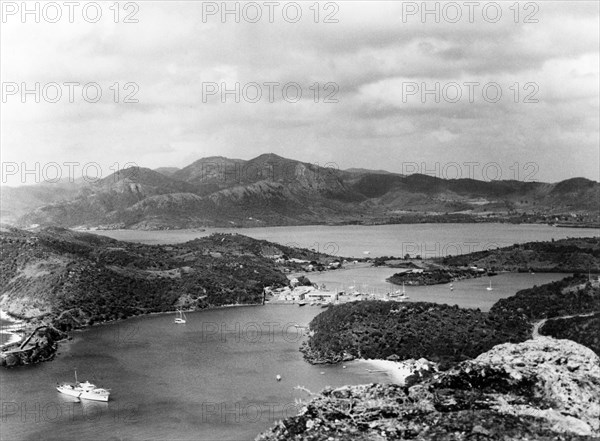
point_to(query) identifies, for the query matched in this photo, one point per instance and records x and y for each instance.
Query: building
(322, 296)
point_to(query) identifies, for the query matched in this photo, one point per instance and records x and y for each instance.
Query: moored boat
(402, 297)
(85, 390)
(181, 318)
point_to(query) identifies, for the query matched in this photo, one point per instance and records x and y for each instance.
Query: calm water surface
(214, 378)
(470, 293)
(428, 240)
(211, 379)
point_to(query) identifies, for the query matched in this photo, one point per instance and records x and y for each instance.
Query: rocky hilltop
(543, 389)
(272, 190)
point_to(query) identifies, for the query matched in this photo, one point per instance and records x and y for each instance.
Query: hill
(565, 255)
(51, 271)
(167, 171)
(17, 201)
(441, 333)
(272, 190)
(56, 279)
(584, 330)
(570, 296)
(538, 390)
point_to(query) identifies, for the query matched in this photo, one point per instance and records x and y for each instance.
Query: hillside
(17, 201)
(57, 279)
(565, 255)
(45, 273)
(538, 390)
(441, 333)
(272, 190)
(570, 296)
(52, 269)
(584, 330)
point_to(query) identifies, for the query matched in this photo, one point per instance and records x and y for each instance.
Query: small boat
(489, 288)
(85, 390)
(402, 297)
(180, 319)
(301, 303)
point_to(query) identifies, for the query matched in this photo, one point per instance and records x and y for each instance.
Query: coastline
(10, 329)
(398, 371)
(18, 324)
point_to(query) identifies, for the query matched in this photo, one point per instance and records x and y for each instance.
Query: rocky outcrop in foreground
(542, 389)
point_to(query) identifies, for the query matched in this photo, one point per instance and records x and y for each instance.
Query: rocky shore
(40, 345)
(543, 389)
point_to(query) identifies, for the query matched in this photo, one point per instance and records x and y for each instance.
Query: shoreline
(433, 220)
(9, 329)
(18, 324)
(211, 308)
(397, 371)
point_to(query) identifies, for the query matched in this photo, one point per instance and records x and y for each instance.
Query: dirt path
(535, 333)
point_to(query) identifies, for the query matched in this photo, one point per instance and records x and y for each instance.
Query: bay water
(214, 378)
(427, 240)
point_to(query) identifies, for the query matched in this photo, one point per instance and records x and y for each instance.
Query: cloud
(368, 56)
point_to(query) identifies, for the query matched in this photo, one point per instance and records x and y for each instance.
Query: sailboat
(180, 319)
(403, 295)
(489, 288)
(85, 390)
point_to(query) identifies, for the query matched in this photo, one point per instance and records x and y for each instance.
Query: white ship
(85, 390)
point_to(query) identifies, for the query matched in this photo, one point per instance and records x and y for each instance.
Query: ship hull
(84, 395)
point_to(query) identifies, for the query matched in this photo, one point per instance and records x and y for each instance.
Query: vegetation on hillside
(55, 270)
(271, 190)
(566, 255)
(440, 333)
(571, 295)
(583, 330)
(433, 276)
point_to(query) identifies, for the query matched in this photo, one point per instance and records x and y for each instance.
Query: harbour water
(427, 240)
(214, 378)
(468, 293)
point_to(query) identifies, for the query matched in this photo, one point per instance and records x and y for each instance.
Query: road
(535, 333)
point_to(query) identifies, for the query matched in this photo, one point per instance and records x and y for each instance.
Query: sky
(494, 92)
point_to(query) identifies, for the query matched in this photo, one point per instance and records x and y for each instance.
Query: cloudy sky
(382, 86)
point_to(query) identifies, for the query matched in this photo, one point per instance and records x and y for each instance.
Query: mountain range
(272, 190)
